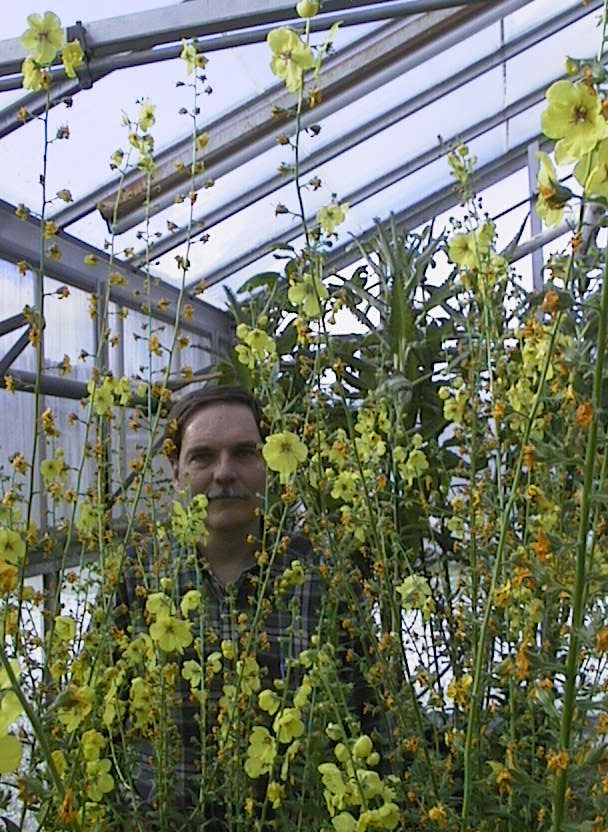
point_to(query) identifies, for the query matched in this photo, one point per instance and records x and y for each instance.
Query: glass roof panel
(236, 75)
(531, 15)
(548, 60)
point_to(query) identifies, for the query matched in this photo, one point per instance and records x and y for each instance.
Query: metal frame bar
(370, 129)
(379, 184)
(249, 130)
(12, 323)
(536, 243)
(200, 18)
(98, 68)
(535, 221)
(15, 351)
(20, 240)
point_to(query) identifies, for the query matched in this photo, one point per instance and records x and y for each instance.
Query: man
(217, 452)
(250, 626)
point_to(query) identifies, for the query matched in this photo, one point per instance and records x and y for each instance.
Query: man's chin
(229, 514)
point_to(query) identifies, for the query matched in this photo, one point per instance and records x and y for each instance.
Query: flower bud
(363, 747)
(571, 66)
(307, 8)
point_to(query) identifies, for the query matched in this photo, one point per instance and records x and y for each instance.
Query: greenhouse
(303, 459)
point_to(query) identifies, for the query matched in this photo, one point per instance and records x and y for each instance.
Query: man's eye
(202, 456)
(247, 453)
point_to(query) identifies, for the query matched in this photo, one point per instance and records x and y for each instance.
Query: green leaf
(263, 279)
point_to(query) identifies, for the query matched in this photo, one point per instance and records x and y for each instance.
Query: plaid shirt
(246, 613)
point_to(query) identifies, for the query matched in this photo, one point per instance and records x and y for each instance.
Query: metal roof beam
(20, 240)
(99, 67)
(250, 129)
(195, 18)
(370, 129)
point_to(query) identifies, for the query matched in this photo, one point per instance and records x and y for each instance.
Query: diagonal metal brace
(15, 351)
(14, 322)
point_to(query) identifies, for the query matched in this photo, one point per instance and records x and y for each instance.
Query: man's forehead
(232, 421)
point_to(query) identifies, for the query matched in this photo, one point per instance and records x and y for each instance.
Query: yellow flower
(334, 784)
(470, 250)
(12, 546)
(308, 294)
(192, 58)
(102, 397)
(50, 229)
(592, 171)
(10, 754)
(346, 486)
(574, 116)
(171, 634)
(288, 725)
(192, 672)
(93, 744)
(72, 57)
(34, 78)
(275, 793)
(146, 115)
(5, 681)
(190, 602)
(54, 470)
(458, 690)
(344, 822)
(416, 594)
(99, 779)
(291, 58)
(415, 465)
(248, 672)
(269, 701)
(76, 704)
(439, 815)
(363, 747)
(65, 628)
(283, 452)
(214, 663)
(8, 577)
(10, 709)
(261, 752)
(202, 140)
(330, 217)
(551, 195)
(228, 649)
(386, 817)
(44, 38)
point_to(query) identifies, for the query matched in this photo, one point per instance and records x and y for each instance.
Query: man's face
(220, 457)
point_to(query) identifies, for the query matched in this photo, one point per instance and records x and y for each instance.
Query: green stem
(578, 604)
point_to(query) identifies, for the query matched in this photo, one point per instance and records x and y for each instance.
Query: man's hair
(185, 408)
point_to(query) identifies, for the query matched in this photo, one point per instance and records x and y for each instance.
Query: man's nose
(224, 468)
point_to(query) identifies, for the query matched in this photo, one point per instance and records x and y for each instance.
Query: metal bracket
(83, 73)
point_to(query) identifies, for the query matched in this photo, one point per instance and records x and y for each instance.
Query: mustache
(229, 492)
